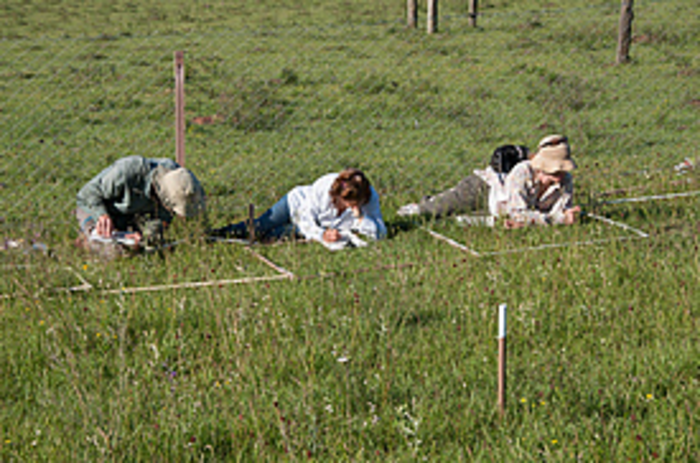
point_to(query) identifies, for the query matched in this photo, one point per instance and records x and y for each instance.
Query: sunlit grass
(381, 353)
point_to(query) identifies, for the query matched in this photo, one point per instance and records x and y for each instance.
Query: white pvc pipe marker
(502, 359)
(502, 321)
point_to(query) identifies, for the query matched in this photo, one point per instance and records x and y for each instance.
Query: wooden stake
(180, 108)
(251, 223)
(473, 5)
(411, 13)
(432, 16)
(502, 359)
(624, 36)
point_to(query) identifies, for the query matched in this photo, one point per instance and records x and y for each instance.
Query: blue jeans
(274, 223)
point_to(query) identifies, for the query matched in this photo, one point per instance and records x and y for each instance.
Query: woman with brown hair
(334, 205)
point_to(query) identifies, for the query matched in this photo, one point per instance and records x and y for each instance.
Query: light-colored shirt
(312, 211)
(498, 195)
(525, 203)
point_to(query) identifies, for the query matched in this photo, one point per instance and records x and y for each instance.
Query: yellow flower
(554, 441)
(650, 396)
(41, 322)
(543, 402)
(98, 335)
(523, 400)
(85, 267)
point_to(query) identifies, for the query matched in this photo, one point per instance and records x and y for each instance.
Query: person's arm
(110, 184)
(309, 203)
(517, 205)
(305, 220)
(370, 223)
(558, 213)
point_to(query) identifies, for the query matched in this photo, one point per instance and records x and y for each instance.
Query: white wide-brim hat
(553, 155)
(180, 191)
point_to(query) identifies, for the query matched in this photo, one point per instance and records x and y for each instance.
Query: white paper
(117, 237)
(347, 240)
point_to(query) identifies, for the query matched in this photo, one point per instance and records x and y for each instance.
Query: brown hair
(351, 185)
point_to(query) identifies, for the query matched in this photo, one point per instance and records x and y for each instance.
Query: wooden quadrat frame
(636, 235)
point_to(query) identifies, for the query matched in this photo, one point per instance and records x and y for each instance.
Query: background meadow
(382, 353)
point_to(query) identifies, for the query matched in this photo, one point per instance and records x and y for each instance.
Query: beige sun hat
(553, 155)
(180, 191)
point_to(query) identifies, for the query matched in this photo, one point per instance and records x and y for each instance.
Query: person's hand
(136, 236)
(511, 224)
(104, 226)
(570, 215)
(331, 235)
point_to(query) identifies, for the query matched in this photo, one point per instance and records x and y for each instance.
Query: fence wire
(269, 108)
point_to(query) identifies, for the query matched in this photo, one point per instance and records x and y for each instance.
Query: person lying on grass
(334, 204)
(534, 191)
(540, 190)
(478, 193)
(133, 199)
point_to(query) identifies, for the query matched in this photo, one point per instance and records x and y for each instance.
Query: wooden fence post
(432, 16)
(473, 5)
(411, 13)
(180, 108)
(624, 37)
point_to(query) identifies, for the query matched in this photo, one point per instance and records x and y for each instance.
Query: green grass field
(382, 353)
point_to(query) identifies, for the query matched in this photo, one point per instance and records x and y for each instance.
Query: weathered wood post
(624, 37)
(180, 108)
(411, 13)
(432, 16)
(473, 5)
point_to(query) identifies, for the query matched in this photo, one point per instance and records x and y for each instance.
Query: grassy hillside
(383, 353)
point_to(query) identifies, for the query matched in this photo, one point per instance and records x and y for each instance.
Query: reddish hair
(351, 185)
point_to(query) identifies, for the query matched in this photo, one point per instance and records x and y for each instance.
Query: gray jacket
(125, 192)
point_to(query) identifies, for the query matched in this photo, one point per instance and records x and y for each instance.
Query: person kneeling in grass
(334, 205)
(129, 202)
(540, 190)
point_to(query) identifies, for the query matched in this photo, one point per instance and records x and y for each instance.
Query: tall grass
(382, 353)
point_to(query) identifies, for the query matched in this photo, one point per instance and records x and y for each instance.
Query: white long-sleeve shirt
(312, 211)
(526, 204)
(498, 196)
